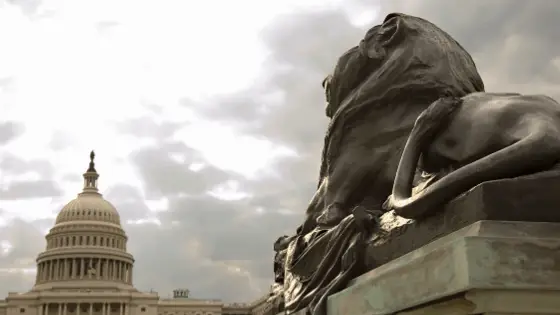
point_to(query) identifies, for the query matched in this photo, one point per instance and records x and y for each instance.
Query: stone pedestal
(532, 198)
(489, 267)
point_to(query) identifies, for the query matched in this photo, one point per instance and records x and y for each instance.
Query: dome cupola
(89, 205)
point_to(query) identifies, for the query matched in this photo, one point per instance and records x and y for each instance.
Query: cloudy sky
(207, 118)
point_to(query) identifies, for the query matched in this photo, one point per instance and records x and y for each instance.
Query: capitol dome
(86, 248)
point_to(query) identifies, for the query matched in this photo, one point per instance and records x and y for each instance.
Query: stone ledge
(487, 255)
(532, 198)
(494, 302)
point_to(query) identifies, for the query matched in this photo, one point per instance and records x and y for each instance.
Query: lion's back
(482, 106)
(487, 121)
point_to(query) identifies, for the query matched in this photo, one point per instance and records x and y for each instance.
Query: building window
(142, 309)
(22, 310)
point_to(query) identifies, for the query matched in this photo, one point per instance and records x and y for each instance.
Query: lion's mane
(398, 69)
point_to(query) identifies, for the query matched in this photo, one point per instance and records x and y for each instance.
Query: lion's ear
(381, 36)
(392, 15)
(392, 27)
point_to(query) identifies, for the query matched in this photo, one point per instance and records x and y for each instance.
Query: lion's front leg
(332, 215)
(345, 180)
(314, 209)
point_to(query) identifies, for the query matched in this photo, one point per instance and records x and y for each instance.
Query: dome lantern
(91, 176)
(89, 204)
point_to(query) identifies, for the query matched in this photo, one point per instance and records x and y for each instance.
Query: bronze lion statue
(374, 95)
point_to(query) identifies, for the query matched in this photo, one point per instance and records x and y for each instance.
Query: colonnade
(84, 268)
(86, 240)
(84, 308)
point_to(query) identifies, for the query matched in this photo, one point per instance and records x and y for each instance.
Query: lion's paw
(388, 204)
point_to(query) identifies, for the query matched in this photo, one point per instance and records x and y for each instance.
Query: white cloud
(81, 66)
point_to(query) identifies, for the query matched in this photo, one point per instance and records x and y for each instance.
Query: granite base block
(488, 267)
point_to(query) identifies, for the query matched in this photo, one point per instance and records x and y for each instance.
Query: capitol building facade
(86, 269)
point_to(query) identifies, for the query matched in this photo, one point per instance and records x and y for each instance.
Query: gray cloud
(24, 251)
(26, 241)
(186, 265)
(105, 27)
(229, 239)
(164, 176)
(216, 248)
(61, 140)
(19, 189)
(288, 106)
(7, 83)
(146, 127)
(129, 201)
(11, 164)
(10, 130)
(15, 281)
(27, 6)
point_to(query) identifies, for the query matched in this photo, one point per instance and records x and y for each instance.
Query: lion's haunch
(485, 137)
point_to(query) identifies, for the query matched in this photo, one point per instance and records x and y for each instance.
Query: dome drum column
(84, 268)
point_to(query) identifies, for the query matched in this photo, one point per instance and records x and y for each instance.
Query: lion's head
(406, 56)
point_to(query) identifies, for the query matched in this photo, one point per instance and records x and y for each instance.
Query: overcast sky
(207, 118)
